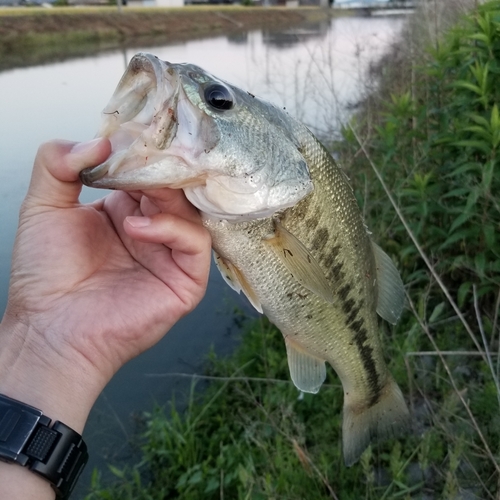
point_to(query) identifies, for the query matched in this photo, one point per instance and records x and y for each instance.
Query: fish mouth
(140, 121)
(167, 130)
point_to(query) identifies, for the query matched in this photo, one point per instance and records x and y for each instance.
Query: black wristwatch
(56, 453)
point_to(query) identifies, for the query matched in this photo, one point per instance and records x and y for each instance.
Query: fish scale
(285, 225)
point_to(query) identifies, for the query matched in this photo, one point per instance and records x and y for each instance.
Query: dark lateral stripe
(351, 310)
(366, 353)
(320, 239)
(348, 306)
(344, 292)
(329, 259)
(336, 274)
(356, 324)
(311, 220)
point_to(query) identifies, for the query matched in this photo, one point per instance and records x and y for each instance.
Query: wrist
(19, 483)
(50, 450)
(34, 374)
(62, 387)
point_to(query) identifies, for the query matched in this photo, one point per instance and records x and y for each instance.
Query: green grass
(251, 436)
(432, 134)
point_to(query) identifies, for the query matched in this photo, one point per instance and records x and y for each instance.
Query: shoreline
(30, 36)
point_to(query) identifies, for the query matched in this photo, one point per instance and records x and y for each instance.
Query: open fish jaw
(169, 126)
(141, 121)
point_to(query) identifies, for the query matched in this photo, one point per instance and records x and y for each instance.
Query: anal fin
(307, 371)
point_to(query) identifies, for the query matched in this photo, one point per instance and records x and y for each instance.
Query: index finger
(173, 201)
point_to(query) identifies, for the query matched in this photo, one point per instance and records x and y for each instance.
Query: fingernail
(138, 221)
(85, 147)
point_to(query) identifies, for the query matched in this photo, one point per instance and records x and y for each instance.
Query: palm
(122, 294)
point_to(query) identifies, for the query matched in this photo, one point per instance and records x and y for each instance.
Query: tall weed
(434, 140)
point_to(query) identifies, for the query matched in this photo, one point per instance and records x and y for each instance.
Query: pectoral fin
(236, 280)
(391, 294)
(307, 371)
(226, 270)
(299, 261)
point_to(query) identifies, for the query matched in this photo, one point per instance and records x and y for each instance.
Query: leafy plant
(435, 145)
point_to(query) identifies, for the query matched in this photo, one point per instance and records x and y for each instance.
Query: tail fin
(387, 418)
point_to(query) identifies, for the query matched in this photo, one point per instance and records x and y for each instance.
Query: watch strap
(56, 453)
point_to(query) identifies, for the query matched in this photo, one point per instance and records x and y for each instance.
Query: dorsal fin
(391, 294)
(299, 261)
(306, 371)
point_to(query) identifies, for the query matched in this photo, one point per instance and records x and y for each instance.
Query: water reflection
(315, 74)
(294, 36)
(238, 39)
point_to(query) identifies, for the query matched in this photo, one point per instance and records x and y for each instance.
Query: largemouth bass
(285, 225)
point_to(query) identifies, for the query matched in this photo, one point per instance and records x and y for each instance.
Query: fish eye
(219, 97)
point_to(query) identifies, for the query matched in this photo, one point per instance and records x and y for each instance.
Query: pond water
(317, 73)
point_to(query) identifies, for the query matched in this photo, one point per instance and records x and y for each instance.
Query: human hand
(93, 285)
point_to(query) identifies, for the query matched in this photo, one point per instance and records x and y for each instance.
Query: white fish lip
(139, 119)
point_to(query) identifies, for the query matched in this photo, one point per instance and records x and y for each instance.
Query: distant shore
(33, 35)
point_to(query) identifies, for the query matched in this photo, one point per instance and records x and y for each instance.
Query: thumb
(55, 180)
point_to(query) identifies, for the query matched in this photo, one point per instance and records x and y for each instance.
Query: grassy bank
(32, 35)
(251, 437)
(431, 132)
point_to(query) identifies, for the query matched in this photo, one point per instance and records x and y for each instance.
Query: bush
(434, 140)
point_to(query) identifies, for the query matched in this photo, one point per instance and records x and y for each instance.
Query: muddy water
(316, 73)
